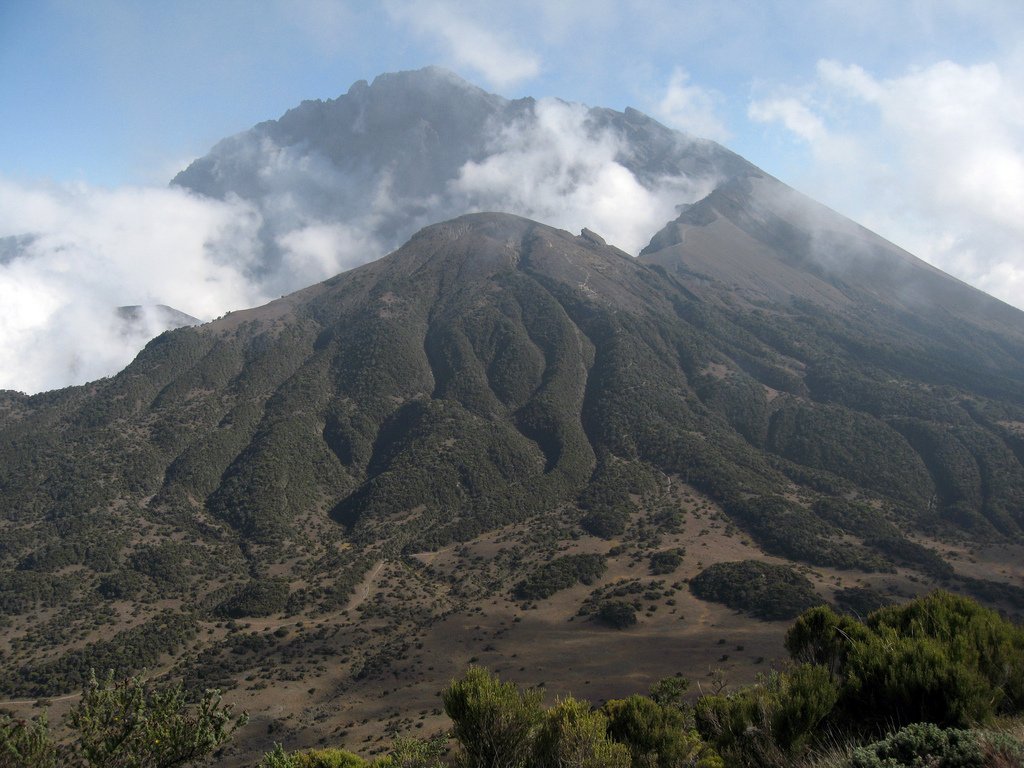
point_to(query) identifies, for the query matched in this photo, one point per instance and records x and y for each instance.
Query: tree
(572, 735)
(669, 691)
(495, 723)
(657, 736)
(26, 743)
(124, 724)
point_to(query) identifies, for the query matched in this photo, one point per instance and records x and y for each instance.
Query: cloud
(555, 167)
(793, 114)
(933, 159)
(93, 250)
(691, 108)
(468, 42)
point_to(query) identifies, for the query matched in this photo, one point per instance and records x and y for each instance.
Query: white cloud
(552, 166)
(93, 250)
(469, 43)
(932, 159)
(793, 114)
(691, 108)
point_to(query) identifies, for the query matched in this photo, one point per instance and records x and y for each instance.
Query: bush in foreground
(124, 724)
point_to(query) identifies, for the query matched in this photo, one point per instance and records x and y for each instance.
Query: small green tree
(129, 724)
(572, 735)
(26, 743)
(495, 723)
(414, 753)
(772, 723)
(669, 691)
(657, 736)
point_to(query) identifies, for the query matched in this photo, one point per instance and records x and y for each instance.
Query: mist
(91, 250)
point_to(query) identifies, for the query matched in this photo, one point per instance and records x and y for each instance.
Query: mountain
(509, 444)
(363, 172)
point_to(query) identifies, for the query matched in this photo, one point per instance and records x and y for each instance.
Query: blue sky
(906, 115)
(117, 91)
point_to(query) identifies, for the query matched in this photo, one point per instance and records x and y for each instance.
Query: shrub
(561, 573)
(606, 523)
(414, 753)
(665, 562)
(260, 597)
(768, 724)
(763, 590)
(495, 723)
(657, 736)
(922, 744)
(572, 734)
(26, 743)
(124, 724)
(617, 614)
(128, 724)
(329, 757)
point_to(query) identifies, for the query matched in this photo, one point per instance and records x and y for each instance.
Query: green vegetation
(560, 573)
(260, 597)
(927, 744)
(123, 724)
(617, 614)
(913, 685)
(763, 590)
(941, 660)
(663, 563)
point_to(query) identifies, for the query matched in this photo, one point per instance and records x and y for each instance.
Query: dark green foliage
(825, 638)
(943, 655)
(495, 723)
(561, 573)
(129, 651)
(790, 530)
(922, 744)
(606, 523)
(122, 584)
(124, 724)
(768, 724)
(852, 445)
(941, 659)
(668, 692)
(741, 400)
(663, 563)
(606, 499)
(658, 736)
(260, 597)
(129, 724)
(168, 565)
(27, 744)
(571, 733)
(617, 614)
(761, 589)
(860, 601)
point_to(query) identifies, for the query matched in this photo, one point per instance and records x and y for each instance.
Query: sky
(906, 115)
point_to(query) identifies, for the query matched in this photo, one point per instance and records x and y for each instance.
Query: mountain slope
(470, 448)
(386, 457)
